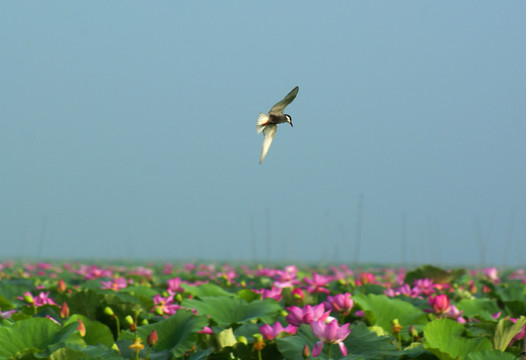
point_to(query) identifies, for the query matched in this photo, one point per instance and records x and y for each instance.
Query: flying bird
(269, 123)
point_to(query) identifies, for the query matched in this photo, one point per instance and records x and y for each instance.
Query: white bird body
(268, 124)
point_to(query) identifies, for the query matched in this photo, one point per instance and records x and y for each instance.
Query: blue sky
(128, 130)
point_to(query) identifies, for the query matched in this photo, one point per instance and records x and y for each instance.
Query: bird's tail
(262, 122)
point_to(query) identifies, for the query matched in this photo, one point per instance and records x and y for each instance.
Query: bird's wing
(269, 131)
(279, 107)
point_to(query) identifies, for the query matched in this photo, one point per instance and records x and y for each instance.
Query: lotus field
(197, 311)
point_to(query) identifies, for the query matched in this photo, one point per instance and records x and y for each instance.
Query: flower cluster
(223, 311)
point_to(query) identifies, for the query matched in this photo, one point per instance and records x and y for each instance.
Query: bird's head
(289, 119)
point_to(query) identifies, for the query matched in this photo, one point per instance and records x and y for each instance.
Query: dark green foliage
(221, 318)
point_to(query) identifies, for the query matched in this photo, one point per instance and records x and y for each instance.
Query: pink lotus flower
(404, 290)
(517, 275)
(206, 330)
(174, 285)
(265, 272)
(308, 314)
(274, 293)
(425, 286)
(366, 278)
(39, 300)
(93, 272)
(287, 277)
(168, 268)
(6, 314)
(456, 314)
(391, 292)
(341, 303)
(342, 273)
(329, 333)
(206, 271)
(492, 274)
(439, 303)
(189, 267)
(165, 305)
(43, 299)
(228, 274)
(298, 294)
(142, 271)
(271, 332)
(317, 283)
(115, 284)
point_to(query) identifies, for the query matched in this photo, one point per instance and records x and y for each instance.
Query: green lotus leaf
(292, 347)
(490, 354)
(444, 338)
(361, 343)
(227, 310)
(204, 290)
(381, 310)
(91, 303)
(96, 332)
(437, 274)
(33, 336)
(177, 334)
(513, 295)
(10, 289)
(481, 309)
(92, 352)
(247, 295)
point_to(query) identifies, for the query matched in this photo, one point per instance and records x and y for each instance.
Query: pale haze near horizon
(128, 131)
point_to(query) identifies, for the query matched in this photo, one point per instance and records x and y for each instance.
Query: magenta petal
(308, 318)
(317, 349)
(291, 329)
(331, 331)
(343, 331)
(318, 328)
(318, 310)
(343, 349)
(295, 316)
(277, 328)
(267, 332)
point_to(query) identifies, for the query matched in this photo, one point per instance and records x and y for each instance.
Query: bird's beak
(290, 122)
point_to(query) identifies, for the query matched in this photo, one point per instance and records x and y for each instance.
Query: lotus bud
(206, 330)
(298, 294)
(152, 338)
(81, 328)
(129, 321)
(64, 312)
(472, 287)
(61, 287)
(108, 311)
(306, 352)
